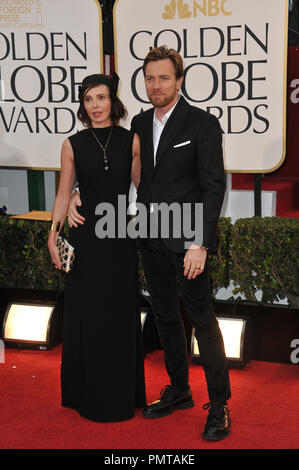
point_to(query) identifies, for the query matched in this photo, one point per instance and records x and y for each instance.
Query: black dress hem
(99, 420)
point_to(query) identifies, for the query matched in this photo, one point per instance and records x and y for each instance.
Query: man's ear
(179, 83)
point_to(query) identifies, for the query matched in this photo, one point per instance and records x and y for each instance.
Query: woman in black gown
(102, 374)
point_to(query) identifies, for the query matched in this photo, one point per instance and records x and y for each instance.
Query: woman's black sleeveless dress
(102, 374)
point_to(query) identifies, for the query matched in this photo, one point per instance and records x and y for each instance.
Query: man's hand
(194, 261)
(74, 217)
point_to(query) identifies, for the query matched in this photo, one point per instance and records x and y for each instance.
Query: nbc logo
(170, 10)
(181, 9)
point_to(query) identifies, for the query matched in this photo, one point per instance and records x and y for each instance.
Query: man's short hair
(161, 53)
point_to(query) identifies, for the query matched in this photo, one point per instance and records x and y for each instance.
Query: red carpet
(264, 409)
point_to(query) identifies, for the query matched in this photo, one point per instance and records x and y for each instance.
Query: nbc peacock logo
(180, 9)
(180, 6)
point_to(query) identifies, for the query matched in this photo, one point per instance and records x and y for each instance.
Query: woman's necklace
(106, 163)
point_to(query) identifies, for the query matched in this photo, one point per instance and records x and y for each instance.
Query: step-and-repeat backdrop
(234, 51)
(235, 56)
(46, 49)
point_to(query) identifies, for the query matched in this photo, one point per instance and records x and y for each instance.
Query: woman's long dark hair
(118, 110)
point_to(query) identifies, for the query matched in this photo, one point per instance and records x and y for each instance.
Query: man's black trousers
(163, 269)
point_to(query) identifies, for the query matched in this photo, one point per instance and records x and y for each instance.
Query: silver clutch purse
(66, 254)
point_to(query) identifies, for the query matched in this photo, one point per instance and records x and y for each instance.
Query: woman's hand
(61, 203)
(54, 252)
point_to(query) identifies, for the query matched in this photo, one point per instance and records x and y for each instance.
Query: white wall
(14, 190)
(239, 204)
(14, 195)
(49, 189)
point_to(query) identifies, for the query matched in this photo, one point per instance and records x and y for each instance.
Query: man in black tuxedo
(180, 148)
(182, 162)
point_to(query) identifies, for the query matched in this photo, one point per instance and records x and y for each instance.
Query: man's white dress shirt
(158, 127)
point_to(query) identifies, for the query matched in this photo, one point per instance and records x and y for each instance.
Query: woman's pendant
(106, 167)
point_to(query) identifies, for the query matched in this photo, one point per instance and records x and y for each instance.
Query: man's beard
(161, 101)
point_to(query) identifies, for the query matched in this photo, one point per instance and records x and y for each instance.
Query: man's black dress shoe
(218, 422)
(170, 400)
